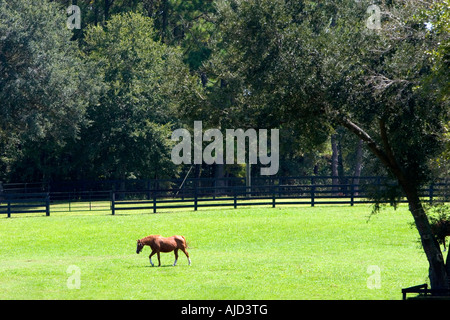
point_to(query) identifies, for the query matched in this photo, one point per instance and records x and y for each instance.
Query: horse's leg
(150, 257)
(176, 257)
(159, 260)
(187, 255)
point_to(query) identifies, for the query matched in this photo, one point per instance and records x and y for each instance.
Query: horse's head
(139, 247)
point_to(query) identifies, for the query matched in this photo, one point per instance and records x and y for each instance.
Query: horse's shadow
(162, 266)
(135, 266)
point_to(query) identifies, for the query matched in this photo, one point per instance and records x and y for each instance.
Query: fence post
(273, 196)
(113, 202)
(352, 194)
(313, 189)
(9, 208)
(195, 196)
(154, 201)
(235, 196)
(47, 205)
(431, 190)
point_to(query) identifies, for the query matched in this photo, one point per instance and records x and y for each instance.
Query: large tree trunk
(447, 265)
(437, 270)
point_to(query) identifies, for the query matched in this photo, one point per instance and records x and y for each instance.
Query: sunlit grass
(323, 252)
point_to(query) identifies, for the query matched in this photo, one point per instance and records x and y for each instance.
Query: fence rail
(154, 195)
(273, 195)
(13, 203)
(80, 201)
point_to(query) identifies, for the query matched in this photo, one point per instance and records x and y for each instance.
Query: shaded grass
(248, 253)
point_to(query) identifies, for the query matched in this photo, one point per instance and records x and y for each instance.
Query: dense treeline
(100, 102)
(103, 102)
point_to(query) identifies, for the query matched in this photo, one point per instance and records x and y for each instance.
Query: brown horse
(161, 244)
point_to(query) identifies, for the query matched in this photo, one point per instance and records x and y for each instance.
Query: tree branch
(373, 146)
(385, 153)
(386, 144)
(389, 153)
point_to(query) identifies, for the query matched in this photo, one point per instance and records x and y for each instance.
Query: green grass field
(323, 252)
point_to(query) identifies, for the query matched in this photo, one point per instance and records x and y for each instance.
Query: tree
(315, 64)
(45, 86)
(437, 19)
(98, 12)
(176, 23)
(145, 81)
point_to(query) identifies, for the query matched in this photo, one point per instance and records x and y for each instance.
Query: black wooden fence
(154, 195)
(24, 203)
(311, 194)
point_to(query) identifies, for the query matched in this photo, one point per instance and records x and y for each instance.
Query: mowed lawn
(323, 252)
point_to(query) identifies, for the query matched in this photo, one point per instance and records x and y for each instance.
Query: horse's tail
(185, 242)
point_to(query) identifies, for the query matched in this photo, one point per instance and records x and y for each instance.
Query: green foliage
(143, 80)
(318, 66)
(45, 86)
(437, 18)
(300, 66)
(36, 55)
(439, 217)
(439, 212)
(187, 25)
